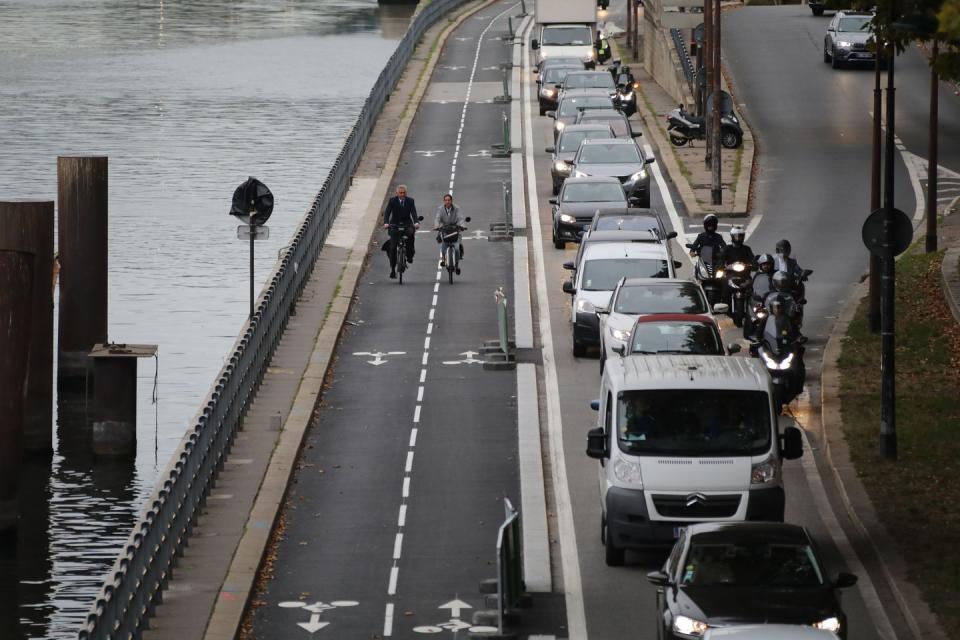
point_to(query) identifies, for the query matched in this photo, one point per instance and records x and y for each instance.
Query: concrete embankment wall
(661, 61)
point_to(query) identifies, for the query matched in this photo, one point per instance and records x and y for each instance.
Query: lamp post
(932, 161)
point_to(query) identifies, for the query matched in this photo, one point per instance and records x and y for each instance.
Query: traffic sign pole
(888, 423)
(252, 236)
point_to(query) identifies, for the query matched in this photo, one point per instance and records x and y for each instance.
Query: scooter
(709, 274)
(739, 289)
(684, 127)
(784, 361)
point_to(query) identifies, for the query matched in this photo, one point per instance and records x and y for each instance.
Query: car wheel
(543, 111)
(579, 349)
(556, 188)
(558, 244)
(613, 555)
(644, 200)
(817, 11)
(833, 59)
(826, 55)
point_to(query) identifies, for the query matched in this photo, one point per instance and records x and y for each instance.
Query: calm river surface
(187, 98)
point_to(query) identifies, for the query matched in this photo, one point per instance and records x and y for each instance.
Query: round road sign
(874, 233)
(252, 202)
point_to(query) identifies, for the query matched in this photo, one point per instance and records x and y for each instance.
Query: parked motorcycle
(709, 273)
(683, 127)
(739, 289)
(783, 358)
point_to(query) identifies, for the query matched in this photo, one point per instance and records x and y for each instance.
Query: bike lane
(391, 519)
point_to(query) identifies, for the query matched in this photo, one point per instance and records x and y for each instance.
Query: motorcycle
(783, 359)
(449, 236)
(709, 274)
(684, 127)
(739, 289)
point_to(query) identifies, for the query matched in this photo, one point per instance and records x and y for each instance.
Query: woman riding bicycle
(448, 215)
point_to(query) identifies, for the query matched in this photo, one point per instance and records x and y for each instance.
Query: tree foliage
(904, 22)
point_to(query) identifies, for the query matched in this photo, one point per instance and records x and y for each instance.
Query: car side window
(674, 558)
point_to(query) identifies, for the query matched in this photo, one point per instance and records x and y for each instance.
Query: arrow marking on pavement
(468, 360)
(378, 358)
(455, 605)
(314, 625)
(429, 153)
(482, 153)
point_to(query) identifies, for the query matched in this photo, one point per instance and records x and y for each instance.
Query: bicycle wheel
(451, 263)
(401, 261)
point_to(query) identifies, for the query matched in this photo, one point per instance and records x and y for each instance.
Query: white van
(685, 439)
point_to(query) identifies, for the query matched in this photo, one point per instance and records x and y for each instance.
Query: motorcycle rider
(709, 238)
(737, 251)
(401, 210)
(781, 333)
(785, 263)
(447, 214)
(762, 284)
(782, 287)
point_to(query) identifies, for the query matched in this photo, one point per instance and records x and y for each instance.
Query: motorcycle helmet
(777, 306)
(765, 262)
(710, 222)
(783, 248)
(781, 281)
(737, 235)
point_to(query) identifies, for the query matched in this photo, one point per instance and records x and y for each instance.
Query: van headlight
(585, 306)
(620, 334)
(590, 56)
(828, 624)
(628, 472)
(763, 472)
(689, 626)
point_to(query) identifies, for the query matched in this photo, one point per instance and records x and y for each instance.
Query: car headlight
(561, 167)
(639, 175)
(590, 56)
(559, 125)
(548, 93)
(739, 267)
(689, 626)
(567, 218)
(843, 44)
(828, 624)
(585, 306)
(580, 174)
(763, 472)
(627, 472)
(620, 334)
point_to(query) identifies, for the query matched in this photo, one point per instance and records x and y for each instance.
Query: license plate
(865, 55)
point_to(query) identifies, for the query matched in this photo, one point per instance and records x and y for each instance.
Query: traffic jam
(688, 439)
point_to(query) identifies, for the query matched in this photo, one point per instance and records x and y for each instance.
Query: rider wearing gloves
(709, 237)
(447, 214)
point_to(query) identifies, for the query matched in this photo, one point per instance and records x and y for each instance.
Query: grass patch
(916, 497)
(737, 166)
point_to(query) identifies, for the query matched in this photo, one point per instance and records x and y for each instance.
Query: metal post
(932, 161)
(716, 190)
(629, 23)
(82, 238)
(16, 308)
(252, 234)
(888, 425)
(874, 292)
(708, 65)
(27, 225)
(523, 7)
(510, 26)
(635, 10)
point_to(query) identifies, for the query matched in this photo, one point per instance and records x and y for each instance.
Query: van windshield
(567, 36)
(693, 422)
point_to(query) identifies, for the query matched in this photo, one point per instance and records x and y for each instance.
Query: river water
(187, 98)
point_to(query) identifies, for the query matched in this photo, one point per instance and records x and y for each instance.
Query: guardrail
(509, 564)
(684, 54)
(141, 572)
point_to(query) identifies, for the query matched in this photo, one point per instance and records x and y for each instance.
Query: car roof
(658, 282)
(775, 532)
(560, 67)
(622, 141)
(619, 235)
(581, 92)
(676, 317)
(628, 212)
(768, 632)
(688, 372)
(587, 126)
(628, 249)
(590, 72)
(593, 180)
(605, 114)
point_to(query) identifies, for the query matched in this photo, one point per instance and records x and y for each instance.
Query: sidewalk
(685, 165)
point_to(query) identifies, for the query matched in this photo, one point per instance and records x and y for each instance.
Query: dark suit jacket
(397, 214)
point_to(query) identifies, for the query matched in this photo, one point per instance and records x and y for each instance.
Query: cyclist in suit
(401, 210)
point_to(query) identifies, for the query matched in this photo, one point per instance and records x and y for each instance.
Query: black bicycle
(449, 235)
(399, 232)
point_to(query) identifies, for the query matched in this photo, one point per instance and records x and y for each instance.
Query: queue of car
(688, 442)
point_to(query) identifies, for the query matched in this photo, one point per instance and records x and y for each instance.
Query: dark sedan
(618, 122)
(632, 219)
(548, 80)
(619, 158)
(580, 199)
(724, 574)
(568, 143)
(573, 101)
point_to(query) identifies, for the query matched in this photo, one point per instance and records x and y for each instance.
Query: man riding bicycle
(448, 214)
(401, 212)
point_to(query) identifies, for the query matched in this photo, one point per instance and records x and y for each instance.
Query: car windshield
(555, 75)
(626, 223)
(619, 124)
(601, 80)
(593, 192)
(859, 23)
(693, 422)
(685, 297)
(750, 563)
(603, 275)
(570, 140)
(569, 36)
(697, 338)
(609, 154)
(571, 106)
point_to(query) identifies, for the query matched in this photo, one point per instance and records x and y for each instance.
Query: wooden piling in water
(16, 307)
(27, 225)
(82, 317)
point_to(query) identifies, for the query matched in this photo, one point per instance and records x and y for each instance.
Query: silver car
(620, 158)
(848, 39)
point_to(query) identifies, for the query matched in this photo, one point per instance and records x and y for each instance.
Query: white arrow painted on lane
(314, 625)
(455, 606)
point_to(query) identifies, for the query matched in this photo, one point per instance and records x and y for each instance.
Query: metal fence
(509, 564)
(141, 572)
(684, 55)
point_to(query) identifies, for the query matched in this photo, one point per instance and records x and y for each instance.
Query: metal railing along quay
(684, 55)
(135, 583)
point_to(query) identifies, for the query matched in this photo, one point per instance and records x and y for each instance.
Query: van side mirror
(732, 349)
(569, 266)
(550, 149)
(597, 443)
(677, 264)
(844, 580)
(552, 201)
(534, 44)
(671, 235)
(791, 443)
(568, 288)
(636, 134)
(650, 160)
(658, 578)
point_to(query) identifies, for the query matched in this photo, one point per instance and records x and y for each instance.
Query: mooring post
(16, 307)
(115, 405)
(82, 239)
(27, 225)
